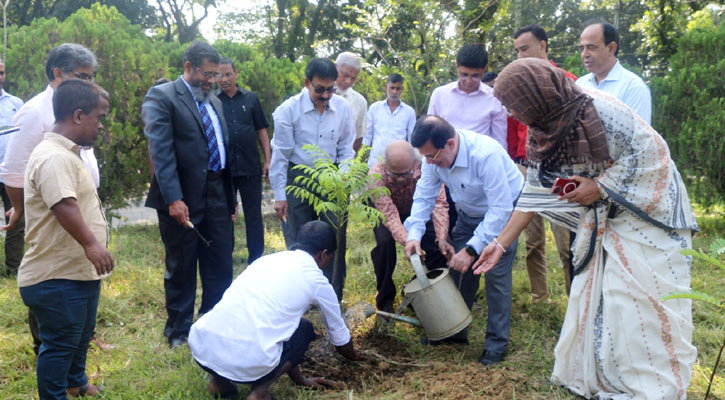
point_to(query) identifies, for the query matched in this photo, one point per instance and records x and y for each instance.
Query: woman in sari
(631, 215)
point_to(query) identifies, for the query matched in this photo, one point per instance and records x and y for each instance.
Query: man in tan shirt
(67, 234)
(399, 173)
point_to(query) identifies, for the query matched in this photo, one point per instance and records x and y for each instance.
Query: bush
(129, 62)
(689, 105)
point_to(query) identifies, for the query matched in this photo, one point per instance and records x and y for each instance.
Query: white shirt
(477, 111)
(9, 105)
(629, 88)
(241, 337)
(483, 182)
(35, 118)
(297, 123)
(215, 123)
(385, 127)
(359, 108)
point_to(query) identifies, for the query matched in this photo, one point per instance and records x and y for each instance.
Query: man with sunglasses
(485, 184)
(399, 173)
(191, 187)
(314, 116)
(34, 118)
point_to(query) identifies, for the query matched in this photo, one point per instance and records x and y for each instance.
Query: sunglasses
(321, 90)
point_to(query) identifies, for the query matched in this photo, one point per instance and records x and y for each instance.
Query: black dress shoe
(489, 357)
(176, 342)
(449, 340)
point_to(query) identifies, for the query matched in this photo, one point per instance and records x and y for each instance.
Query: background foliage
(676, 46)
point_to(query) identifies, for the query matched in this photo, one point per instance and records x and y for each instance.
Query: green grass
(131, 316)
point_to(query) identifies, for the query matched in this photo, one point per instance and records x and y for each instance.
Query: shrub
(128, 63)
(689, 105)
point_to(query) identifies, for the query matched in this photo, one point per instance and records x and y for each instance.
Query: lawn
(131, 316)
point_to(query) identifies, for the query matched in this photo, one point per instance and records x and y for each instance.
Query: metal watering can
(436, 300)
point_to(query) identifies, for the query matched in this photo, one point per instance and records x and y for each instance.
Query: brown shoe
(101, 344)
(85, 390)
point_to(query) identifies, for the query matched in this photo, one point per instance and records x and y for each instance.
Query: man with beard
(191, 187)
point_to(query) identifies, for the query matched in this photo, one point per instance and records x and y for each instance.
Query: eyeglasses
(398, 175)
(435, 156)
(321, 90)
(209, 74)
(84, 76)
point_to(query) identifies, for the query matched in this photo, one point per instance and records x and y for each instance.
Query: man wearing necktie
(187, 137)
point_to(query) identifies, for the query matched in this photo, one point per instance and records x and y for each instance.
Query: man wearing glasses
(399, 173)
(191, 187)
(34, 118)
(485, 184)
(314, 116)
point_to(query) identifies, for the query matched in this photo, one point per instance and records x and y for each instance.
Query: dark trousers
(497, 287)
(184, 249)
(14, 238)
(292, 351)
(250, 190)
(300, 212)
(384, 257)
(66, 314)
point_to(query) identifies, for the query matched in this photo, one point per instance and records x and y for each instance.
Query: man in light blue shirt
(599, 46)
(14, 242)
(485, 185)
(388, 120)
(314, 116)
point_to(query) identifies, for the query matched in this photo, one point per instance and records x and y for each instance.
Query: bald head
(400, 156)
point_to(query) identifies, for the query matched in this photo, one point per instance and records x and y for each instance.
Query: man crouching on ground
(256, 332)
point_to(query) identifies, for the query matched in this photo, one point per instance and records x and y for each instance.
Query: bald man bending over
(399, 173)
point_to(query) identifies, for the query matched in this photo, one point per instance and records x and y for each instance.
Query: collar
(62, 141)
(220, 92)
(614, 74)
(482, 89)
(462, 156)
(307, 105)
(191, 92)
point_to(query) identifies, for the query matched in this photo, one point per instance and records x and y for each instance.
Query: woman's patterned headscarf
(565, 126)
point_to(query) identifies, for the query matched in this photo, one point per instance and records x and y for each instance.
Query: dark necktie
(215, 161)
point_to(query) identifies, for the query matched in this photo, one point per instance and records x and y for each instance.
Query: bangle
(495, 241)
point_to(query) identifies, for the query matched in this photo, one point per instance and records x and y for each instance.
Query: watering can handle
(420, 271)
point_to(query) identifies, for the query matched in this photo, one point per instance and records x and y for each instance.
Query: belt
(211, 175)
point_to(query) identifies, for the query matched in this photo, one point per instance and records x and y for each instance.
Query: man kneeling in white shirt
(256, 332)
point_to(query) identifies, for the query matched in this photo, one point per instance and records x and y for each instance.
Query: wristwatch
(470, 250)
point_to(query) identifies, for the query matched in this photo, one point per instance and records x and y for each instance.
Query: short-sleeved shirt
(629, 88)
(245, 116)
(55, 172)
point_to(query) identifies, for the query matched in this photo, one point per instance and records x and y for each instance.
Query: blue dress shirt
(483, 182)
(629, 88)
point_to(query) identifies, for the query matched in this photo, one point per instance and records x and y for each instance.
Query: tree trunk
(339, 261)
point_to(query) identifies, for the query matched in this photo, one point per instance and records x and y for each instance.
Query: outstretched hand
(488, 259)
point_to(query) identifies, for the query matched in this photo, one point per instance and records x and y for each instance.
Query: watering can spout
(370, 310)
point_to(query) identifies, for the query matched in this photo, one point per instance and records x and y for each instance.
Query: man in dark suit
(187, 135)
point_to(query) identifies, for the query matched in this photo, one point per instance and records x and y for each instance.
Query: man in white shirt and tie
(485, 184)
(388, 120)
(314, 116)
(256, 333)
